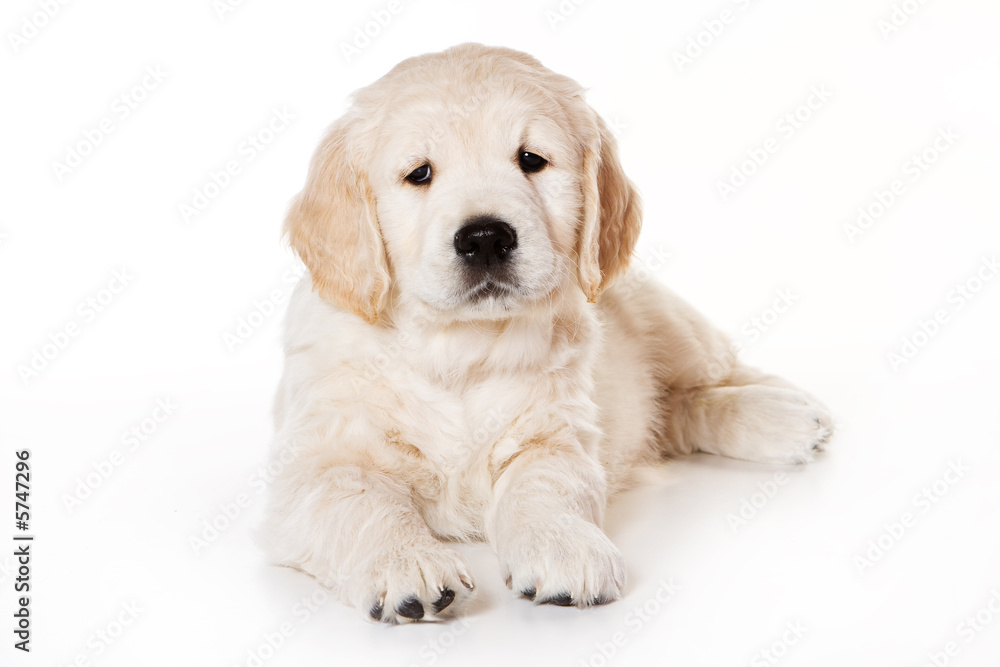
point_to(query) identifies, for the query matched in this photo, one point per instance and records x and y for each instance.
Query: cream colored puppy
(461, 366)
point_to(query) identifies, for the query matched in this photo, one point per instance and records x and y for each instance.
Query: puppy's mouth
(490, 289)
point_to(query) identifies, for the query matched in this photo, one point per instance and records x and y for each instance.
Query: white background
(682, 130)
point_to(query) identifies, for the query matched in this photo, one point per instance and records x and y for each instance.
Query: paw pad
(411, 608)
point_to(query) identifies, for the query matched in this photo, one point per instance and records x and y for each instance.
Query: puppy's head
(474, 181)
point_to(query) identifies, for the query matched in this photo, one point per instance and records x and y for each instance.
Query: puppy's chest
(449, 427)
(452, 430)
(455, 414)
(440, 441)
(449, 433)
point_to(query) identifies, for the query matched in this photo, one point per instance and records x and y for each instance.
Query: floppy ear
(333, 226)
(612, 216)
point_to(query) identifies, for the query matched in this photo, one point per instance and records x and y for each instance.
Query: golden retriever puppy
(461, 365)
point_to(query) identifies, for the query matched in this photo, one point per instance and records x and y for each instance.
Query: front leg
(548, 502)
(357, 531)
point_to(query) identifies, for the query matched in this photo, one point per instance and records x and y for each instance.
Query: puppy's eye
(530, 163)
(420, 176)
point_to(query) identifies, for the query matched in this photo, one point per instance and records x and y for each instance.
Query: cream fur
(409, 415)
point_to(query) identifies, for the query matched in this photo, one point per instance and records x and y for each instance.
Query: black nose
(485, 241)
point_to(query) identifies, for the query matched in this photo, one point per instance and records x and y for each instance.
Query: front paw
(408, 583)
(566, 562)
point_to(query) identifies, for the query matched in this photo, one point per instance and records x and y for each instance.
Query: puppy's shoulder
(314, 325)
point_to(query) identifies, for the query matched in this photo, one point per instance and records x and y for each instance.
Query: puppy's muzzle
(485, 243)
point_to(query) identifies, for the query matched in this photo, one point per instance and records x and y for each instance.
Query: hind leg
(749, 416)
(708, 400)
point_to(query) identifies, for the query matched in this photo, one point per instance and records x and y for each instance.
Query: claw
(447, 597)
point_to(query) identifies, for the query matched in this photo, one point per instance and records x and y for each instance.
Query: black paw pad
(410, 608)
(599, 600)
(376, 611)
(447, 597)
(563, 600)
(528, 593)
